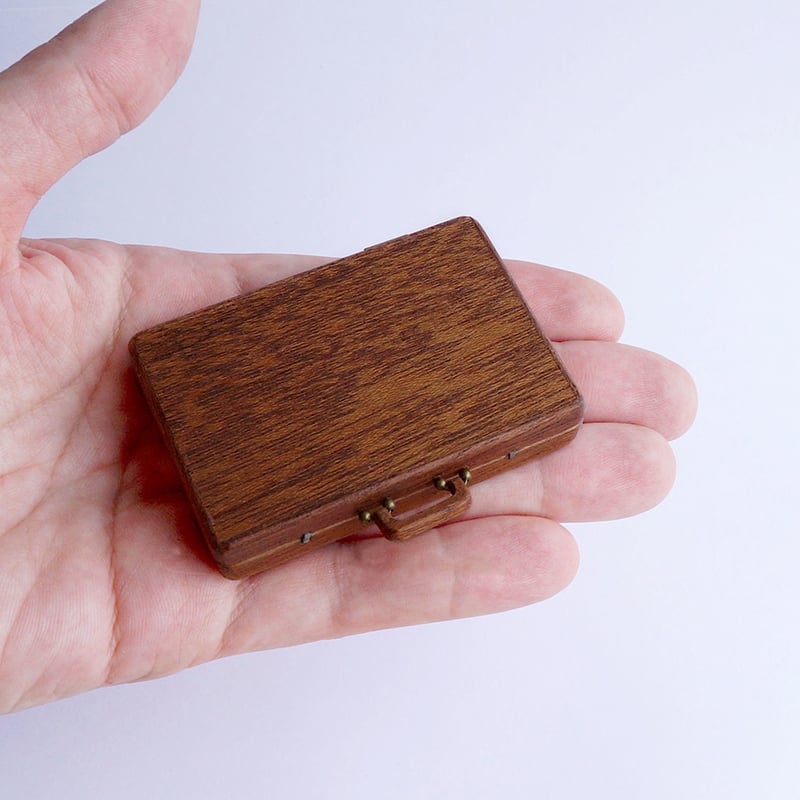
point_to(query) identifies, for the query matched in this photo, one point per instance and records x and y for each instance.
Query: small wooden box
(367, 392)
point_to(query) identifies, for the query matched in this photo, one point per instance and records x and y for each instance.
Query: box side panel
(203, 523)
(269, 547)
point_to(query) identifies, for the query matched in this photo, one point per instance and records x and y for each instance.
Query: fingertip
(686, 389)
(609, 320)
(649, 470)
(568, 305)
(661, 465)
(622, 383)
(511, 561)
(558, 560)
(670, 393)
(610, 471)
(78, 93)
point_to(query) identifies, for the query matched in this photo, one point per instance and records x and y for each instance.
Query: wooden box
(361, 396)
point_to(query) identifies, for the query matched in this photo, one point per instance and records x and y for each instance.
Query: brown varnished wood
(295, 408)
(453, 500)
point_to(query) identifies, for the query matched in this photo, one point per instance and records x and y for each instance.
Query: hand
(102, 577)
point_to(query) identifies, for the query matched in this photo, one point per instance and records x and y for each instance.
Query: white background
(653, 146)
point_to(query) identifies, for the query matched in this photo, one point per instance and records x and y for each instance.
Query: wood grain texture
(292, 409)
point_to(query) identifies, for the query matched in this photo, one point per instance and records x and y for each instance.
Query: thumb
(80, 92)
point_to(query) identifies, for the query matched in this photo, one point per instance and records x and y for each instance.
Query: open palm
(103, 578)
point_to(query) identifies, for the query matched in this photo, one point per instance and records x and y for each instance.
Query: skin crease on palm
(102, 578)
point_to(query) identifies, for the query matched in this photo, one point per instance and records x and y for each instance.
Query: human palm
(102, 575)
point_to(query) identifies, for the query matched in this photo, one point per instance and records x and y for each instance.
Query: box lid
(330, 386)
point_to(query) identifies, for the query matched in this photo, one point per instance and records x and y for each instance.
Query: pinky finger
(469, 568)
